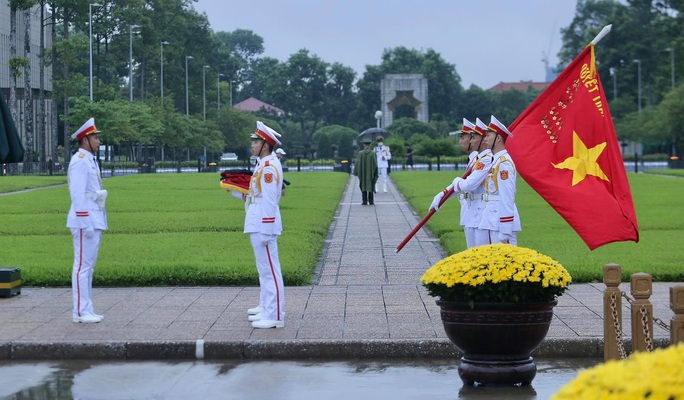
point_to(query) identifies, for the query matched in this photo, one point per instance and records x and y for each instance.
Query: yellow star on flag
(583, 160)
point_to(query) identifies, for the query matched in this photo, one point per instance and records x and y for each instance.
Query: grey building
(43, 137)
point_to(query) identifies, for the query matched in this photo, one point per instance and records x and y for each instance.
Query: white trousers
(485, 236)
(272, 294)
(85, 257)
(382, 174)
(469, 236)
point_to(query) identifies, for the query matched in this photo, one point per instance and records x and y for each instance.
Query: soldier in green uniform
(366, 169)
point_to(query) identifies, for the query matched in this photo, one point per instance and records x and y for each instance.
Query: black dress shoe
(364, 204)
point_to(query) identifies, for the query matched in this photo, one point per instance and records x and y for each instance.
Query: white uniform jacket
(263, 210)
(462, 197)
(383, 154)
(472, 189)
(500, 213)
(87, 197)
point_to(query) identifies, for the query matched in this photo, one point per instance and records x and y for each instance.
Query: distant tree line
(326, 104)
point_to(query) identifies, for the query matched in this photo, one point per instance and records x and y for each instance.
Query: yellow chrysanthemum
(656, 375)
(489, 269)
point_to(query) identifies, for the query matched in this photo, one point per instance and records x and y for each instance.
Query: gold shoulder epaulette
(81, 155)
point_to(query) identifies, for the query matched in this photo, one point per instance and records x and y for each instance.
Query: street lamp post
(378, 115)
(90, 38)
(636, 154)
(187, 104)
(204, 92)
(613, 73)
(672, 65)
(204, 104)
(161, 62)
(218, 92)
(672, 69)
(638, 62)
(130, 58)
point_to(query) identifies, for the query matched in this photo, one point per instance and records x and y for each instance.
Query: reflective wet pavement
(393, 379)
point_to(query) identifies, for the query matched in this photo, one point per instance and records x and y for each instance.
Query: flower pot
(496, 339)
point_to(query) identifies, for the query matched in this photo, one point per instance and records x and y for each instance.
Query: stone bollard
(612, 312)
(641, 286)
(677, 322)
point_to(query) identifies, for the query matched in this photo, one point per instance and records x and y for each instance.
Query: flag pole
(606, 29)
(425, 219)
(422, 222)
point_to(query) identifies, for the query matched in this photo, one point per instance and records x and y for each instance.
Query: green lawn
(20, 182)
(658, 203)
(182, 229)
(167, 229)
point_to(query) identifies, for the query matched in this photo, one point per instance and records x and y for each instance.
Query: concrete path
(366, 301)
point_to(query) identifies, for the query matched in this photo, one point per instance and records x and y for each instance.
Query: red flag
(564, 146)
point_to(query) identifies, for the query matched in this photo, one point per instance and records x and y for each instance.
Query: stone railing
(641, 312)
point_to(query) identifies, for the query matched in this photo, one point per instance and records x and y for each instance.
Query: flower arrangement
(497, 273)
(656, 375)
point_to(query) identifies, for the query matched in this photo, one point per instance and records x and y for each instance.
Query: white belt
(254, 200)
(99, 196)
(466, 196)
(490, 197)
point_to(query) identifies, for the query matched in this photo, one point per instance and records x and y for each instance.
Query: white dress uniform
(383, 154)
(465, 200)
(87, 219)
(500, 213)
(471, 189)
(263, 223)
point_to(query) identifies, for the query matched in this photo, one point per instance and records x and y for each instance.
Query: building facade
(40, 137)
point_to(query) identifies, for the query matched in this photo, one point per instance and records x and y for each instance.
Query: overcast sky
(488, 41)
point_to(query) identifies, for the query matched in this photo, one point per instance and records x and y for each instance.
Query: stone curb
(281, 350)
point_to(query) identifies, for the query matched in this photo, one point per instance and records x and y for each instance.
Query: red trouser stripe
(275, 282)
(78, 274)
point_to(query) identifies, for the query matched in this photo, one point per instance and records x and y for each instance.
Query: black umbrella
(11, 149)
(373, 133)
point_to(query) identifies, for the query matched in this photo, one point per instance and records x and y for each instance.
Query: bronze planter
(496, 339)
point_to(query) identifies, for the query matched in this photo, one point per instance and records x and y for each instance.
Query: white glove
(89, 233)
(505, 238)
(266, 239)
(435, 201)
(454, 184)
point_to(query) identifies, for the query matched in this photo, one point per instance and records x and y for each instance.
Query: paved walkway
(366, 301)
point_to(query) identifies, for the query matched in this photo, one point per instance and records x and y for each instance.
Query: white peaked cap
(85, 130)
(468, 127)
(499, 128)
(281, 151)
(480, 127)
(266, 133)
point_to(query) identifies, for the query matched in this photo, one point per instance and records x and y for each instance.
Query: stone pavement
(365, 301)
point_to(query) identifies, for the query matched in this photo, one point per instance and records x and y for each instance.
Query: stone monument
(404, 95)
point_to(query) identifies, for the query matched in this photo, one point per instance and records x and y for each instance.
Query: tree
(303, 97)
(339, 136)
(407, 127)
(340, 98)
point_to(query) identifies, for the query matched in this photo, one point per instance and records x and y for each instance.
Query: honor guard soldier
(87, 219)
(500, 220)
(465, 135)
(366, 169)
(264, 225)
(383, 154)
(469, 187)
